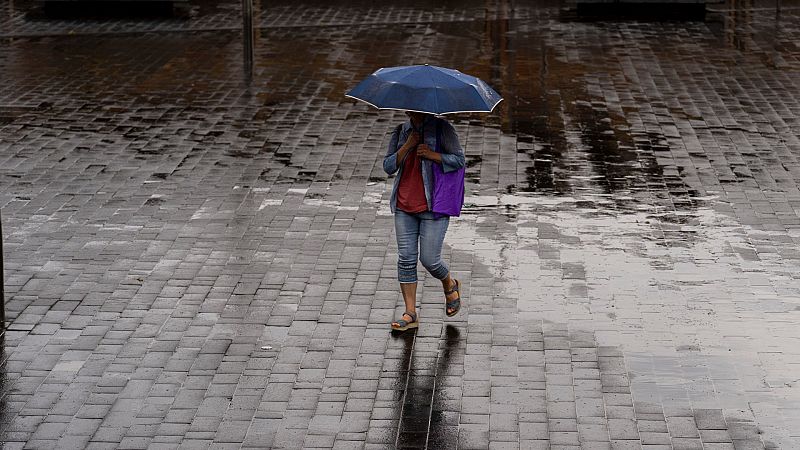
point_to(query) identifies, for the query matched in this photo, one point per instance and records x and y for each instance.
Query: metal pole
(247, 31)
(2, 283)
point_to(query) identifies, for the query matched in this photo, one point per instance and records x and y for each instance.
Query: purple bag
(448, 188)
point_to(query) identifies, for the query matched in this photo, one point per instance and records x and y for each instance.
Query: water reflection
(556, 109)
(766, 29)
(443, 432)
(737, 19)
(427, 418)
(412, 427)
(571, 133)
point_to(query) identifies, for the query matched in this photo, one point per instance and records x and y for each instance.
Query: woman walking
(415, 148)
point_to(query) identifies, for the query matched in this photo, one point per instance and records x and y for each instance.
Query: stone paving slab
(192, 262)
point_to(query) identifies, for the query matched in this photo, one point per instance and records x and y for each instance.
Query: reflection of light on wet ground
(673, 289)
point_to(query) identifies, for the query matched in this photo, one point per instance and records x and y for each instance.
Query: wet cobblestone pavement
(192, 262)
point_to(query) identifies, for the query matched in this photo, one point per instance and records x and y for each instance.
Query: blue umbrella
(427, 89)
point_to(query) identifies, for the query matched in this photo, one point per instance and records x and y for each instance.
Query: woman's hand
(411, 143)
(412, 140)
(428, 153)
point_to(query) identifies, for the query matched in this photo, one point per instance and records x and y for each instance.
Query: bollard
(247, 36)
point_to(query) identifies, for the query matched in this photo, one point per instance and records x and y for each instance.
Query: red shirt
(411, 191)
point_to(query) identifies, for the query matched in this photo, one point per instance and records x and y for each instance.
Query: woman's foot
(453, 297)
(406, 322)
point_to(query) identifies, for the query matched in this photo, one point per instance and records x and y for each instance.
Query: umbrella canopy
(427, 89)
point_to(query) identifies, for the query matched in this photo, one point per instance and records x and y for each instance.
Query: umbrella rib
(408, 74)
(435, 95)
(362, 100)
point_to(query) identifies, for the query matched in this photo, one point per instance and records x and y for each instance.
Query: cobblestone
(192, 261)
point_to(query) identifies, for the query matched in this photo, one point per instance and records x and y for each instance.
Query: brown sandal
(455, 304)
(405, 324)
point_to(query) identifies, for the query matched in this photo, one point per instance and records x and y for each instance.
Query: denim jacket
(452, 154)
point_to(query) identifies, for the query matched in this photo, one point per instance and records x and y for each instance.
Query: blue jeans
(420, 236)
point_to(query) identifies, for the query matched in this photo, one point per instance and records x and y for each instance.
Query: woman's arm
(394, 155)
(452, 156)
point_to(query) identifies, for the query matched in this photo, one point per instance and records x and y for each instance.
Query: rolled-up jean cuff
(441, 272)
(407, 276)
